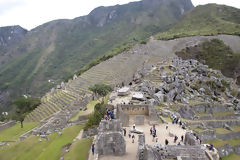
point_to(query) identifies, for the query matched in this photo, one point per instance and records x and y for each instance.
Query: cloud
(8, 5)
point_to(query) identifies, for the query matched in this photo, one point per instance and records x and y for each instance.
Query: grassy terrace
(220, 143)
(216, 114)
(32, 148)
(14, 132)
(231, 156)
(90, 109)
(225, 131)
(79, 150)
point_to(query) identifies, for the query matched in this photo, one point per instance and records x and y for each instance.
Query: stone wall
(207, 135)
(139, 119)
(153, 115)
(214, 124)
(191, 151)
(190, 139)
(232, 135)
(7, 125)
(124, 118)
(227, 149)
(110, 138)
(135, 109)
(209, 108)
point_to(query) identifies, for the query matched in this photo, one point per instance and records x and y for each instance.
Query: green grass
(216, 114)
(79, 150)
(231, 156)
(14, 132)
(220, 143)
(31, 148)
(90, 109)
(197, 130)
(225, 131)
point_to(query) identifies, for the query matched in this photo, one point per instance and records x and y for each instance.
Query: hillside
(9, 36)
(211, 19)
(57, 49)
(216, 55)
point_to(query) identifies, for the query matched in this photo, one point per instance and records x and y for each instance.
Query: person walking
(129, 134)
(182, 138)
(124, 132)
(166, 142)
(93, 148)
(133, 138)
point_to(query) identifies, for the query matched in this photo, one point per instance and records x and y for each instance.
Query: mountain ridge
(59, 48)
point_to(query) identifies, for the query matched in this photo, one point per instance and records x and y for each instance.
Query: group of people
(197, 138)
(109, 114)
(176, 120)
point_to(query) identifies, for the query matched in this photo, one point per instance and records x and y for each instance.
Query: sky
(31, 13)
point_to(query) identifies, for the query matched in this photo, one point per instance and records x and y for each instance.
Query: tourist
(182, 138)
(166, 142)
(151, 131)
(175, 139)
(211, 147)
(129, 134)
(93, 148)
(133, 137)
(166, 127)
(156, 139)
(179, 144)
(134, 126)
(124, 132)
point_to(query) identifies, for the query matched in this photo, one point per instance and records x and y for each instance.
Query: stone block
(139, 119)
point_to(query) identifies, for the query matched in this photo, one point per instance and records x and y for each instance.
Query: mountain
(210, 19)
(57, 49)
(9, 36)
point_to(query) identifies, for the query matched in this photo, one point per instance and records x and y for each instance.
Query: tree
(101, 89)
(24, 106)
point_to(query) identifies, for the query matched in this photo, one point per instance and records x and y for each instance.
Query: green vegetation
(57, 49)
(219, 114)
(225, 131)
(205, 20)
(220, 143)
(197, 130)
(231, 156)
(100, 89)
(90, 109)
(79, 150)
(95, 118)
(216, 55)
(24, 106)
(14, 132)
(32, 148)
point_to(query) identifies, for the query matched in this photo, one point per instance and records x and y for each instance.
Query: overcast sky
(31, 13)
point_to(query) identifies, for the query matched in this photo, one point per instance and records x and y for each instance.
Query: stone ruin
(192, 150)
(110, 140)
(139, 111)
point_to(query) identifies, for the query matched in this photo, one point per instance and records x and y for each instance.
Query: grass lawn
(216, 114)
(90, 109)
(220, 143)
(231, 156)
(79, 150)
(32, 148)
(14, 132)
(225, 131)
